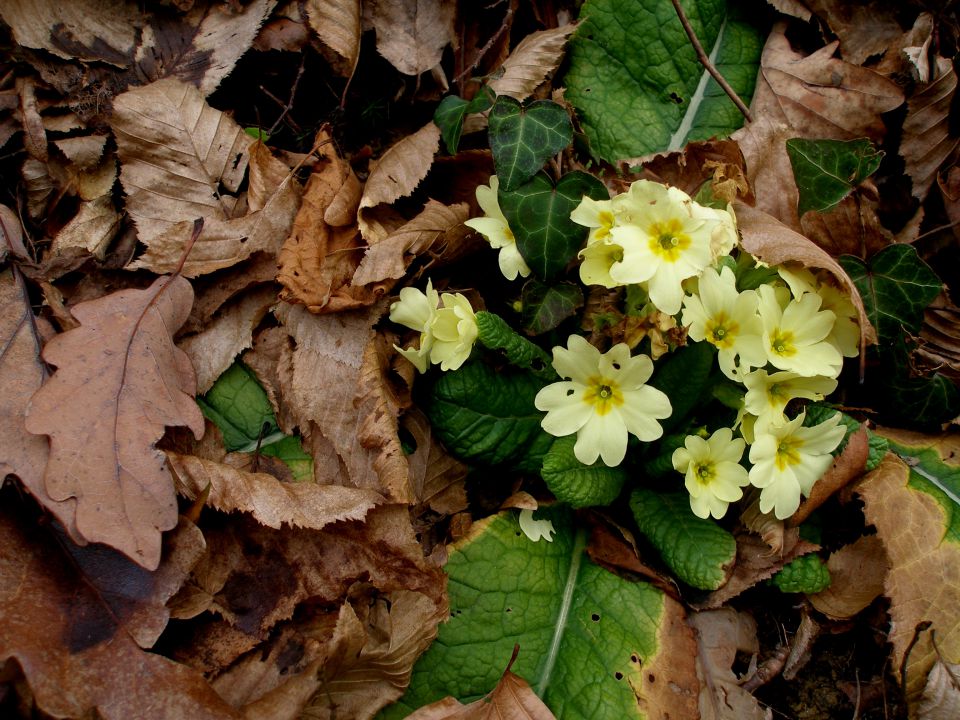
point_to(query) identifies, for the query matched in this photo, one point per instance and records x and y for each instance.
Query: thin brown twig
(289, 105)
(486, 48)
(705, 61)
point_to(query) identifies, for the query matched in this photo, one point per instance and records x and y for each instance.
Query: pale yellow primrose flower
(604, 398)
(663, 245)
(724, 237)
(598, 215)
(788, 459)
(496, 230)
(794, 336)
(536, 529)
(845, 334)
(447, 325)
(726, 319)
(768, 394)
(712, 472)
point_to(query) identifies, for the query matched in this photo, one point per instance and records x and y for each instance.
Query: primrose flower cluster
(779, 341)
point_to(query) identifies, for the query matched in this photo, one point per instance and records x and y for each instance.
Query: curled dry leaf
(851, 228)
(401, 168)
(768, 239)
(940, 349)
(857, 573)
(119, 381)
(927, 140)
(90, 231)
(337, 24)
(847, 467)
(512, 698)
(537, 56)
(941, 696)
(64, 636)
(267, 499)
(865, 30)
(411, 34)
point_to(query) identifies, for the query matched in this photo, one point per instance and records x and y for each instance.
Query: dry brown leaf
(927, 140)
(764, 237)
(857, 573)
(214, 349)
(911, 525)
(70, 643)
(216, 290)
(436, 477)
(119, 381)
(940, 333)
(436, 225)
(851, 228)
(401, 168)
(39, 185)
(34, 134)
(90, 231)
(511, 699)
(792, 7)
(271, 360)
(411, 34)
(864, 30)
(537, 56)
(269, 501)
(337, 24)
(766, 525)
(85, 151)
(721, 634)
(941, 696)
(848, 466)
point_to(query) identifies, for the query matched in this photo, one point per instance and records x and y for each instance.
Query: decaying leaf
(940, 333)
(857, 573)
(70, 643)
(848, 466)
(531, 61)
(119, 381)
(402, 167)
(851, 228)
(412, 34)
(436, 477)
(269, 501)
(91, 230)
(864, 30)
(927, 139)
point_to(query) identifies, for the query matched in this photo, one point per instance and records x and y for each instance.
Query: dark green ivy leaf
(827, 170)
(896, 286)
(453, 109)
(539, 215)
(546, 306)
(523, 138)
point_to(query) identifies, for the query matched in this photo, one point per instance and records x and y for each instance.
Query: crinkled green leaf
(576, 484)
(487, 417)
(635, 80)
(453, 109)
(805, 574)
(699, 552)
(524, 137)
(588, 639)
(539, 215)
(290, 450)
(684, 376)
(495, 334)
(896, 286)
(930, 474)
(546, 306)
(827, 170)
(241, 409)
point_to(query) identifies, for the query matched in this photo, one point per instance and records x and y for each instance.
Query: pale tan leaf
(941, 696)
(512, 698)
(39, 186)
(411, 34)
(85, 151)
(401, 168)
(337, 24)
(852, 227)
(764, 237)
(119, 381)
(857, 573)
(214, 349)
(175, 152)
(927, 140)
(268, 500)
(792, 7)
(271, 359)
(865, 30)
(34, 133)
(91, 230)
(389, 258)
(530, 62)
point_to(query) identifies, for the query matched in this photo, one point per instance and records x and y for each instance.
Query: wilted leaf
(914, 507)
(411, 34)
(119, 381)
(546, 306)
(69, 642)
(539, 214)
(401, 168)
(639, 98)
(826, 171)
(436, 477)
(530, 62)
(857, 573)
(851, 228)
(591, 644)
(524, 137)
(927, 140)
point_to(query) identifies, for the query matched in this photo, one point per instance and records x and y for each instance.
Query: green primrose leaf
(523, 138)
(453, 109)
(827, 170)
(576, 484)
(635, 80)
(485, 417)
(699, 552)
(240, 408)
(684, 376)
(592, 645)
(931, 475)
(805, 574)
(539, 215)
(546, 306)
(896, 286)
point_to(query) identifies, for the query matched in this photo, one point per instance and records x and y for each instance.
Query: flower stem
(495, 334)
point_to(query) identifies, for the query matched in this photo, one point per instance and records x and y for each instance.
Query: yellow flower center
(781, 343)
(705, 473)
(606, 224)
(508, 233)
(788, 453)
(604, 394)
(668, 240)
(721, 331)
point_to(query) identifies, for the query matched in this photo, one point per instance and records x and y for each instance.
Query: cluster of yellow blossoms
(781, 341)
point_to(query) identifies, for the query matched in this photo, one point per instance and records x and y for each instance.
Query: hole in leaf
(676, 98)
(569, 392)
(616, 366)
(595, 617)
(618, 675)
(651, 678)
(635, 659)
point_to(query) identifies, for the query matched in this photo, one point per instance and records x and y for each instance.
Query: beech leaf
(337, 23)
(530, 62)
(401, 168)
(927, 140)
(119, 381)
(511, 698)
(411, 34)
